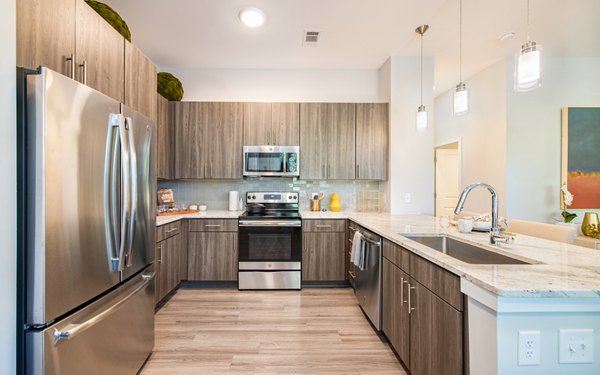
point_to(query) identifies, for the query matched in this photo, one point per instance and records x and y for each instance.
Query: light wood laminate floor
(225, 331)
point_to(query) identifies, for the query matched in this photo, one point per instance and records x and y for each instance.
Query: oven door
(270, 242)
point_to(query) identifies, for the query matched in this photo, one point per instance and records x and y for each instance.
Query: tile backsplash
(216, 193)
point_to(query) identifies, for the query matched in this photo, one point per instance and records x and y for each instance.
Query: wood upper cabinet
(313, 141)
(274, 124)
(327, 141)
(140, 82)
(371, 141)
(208, 140)
(100, 59)
(46, 34)
(285, 120)
(165, 139)
(257, 124)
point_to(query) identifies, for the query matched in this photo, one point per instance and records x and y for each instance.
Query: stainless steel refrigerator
(86, 236)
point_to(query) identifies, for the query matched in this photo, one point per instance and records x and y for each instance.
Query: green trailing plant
(169, 86)
(112, 17)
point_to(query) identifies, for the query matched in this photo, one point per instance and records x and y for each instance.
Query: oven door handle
(269, 223)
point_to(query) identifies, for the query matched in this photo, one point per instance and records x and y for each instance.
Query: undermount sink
(463, 251)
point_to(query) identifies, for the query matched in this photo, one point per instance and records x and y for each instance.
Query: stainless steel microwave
(272, 161)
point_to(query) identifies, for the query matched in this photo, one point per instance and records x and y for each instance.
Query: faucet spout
(494, 230)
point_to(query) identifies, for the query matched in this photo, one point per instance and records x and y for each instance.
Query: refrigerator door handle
(76, 329)
(126, 192)
(111, 158)
(133, 185)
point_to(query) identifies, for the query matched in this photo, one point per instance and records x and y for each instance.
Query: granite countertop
(559, 270)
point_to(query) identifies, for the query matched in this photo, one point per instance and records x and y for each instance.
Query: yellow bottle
(335, 204)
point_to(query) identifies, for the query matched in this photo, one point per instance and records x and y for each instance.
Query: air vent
(311, 38)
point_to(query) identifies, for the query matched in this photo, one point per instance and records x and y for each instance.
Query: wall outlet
(575, 346)
(407, 198)
(529, 348)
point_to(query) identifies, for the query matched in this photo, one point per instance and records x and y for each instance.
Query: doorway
(447, 167)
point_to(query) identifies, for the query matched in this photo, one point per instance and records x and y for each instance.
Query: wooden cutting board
(178, 213)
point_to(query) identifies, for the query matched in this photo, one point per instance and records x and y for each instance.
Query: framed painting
(581, 156)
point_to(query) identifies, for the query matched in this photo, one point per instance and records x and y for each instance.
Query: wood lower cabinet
(46, 34)
(371, 141)
(140, 82)
(425, 326)
(208, 140)
(167, 259)
(323, 250)
(212, 250)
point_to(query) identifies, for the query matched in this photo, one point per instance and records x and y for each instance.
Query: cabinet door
(174, 246)
(163, 259)
(164, 154)
(396, 320)
(257, 124)
(192, 121)
(342, 139)
(313, 141)
(100, 48)
(323, 256)
(46, 34)
(371, 141)
(212, 256)
(285, 118)
(436, 345)
(157, 276)
(140, 82)
(225, 140)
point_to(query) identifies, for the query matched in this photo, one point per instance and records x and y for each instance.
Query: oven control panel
(272, 197)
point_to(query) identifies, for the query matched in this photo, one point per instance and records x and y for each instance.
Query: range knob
(254, 197)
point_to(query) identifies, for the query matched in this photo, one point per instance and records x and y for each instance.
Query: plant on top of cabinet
(112, 17)
(169, 86)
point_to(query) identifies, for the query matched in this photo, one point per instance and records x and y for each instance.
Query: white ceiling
(355, 34)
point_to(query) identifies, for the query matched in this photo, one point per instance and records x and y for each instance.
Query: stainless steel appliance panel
(114, 335)
(271, 161)
(368, 281)
(257, 280)
(140, 237)
(270, 266)
(67, 262)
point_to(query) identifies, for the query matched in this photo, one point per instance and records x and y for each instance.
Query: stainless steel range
(270, 242)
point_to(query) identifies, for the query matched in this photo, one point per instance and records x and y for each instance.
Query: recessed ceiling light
(507, 35)
(252, 17)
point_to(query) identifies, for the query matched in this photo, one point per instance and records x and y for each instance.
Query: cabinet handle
(328, 170)
(402, 291)
(357, 171)
(71, 59)
(171, 230)
(84, 66)
(161, 253)
(410, 308)
(211, 169)
(324, 174)
(212, 225)
(404, 282)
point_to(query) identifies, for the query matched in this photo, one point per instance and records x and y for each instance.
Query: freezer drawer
(114, 335)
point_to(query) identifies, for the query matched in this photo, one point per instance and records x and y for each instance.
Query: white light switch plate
(575, 345)
(529, 348)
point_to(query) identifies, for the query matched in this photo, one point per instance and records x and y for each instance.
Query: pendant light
(421, 111)
(528, 64)
(461, 95)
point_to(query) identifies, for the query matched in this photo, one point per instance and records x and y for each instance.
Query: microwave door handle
(285, 167)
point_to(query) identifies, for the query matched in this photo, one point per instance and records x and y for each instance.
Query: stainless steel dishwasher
(368, 281)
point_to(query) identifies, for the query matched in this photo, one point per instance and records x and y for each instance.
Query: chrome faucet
(495, 235)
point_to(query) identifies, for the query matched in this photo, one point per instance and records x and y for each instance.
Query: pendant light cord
(421, 69)
(460, 43)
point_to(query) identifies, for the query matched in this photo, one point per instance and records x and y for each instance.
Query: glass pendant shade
(528, 69)
(461, 100)
(421, 119)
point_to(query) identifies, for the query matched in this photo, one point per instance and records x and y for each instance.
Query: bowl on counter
(202, 207)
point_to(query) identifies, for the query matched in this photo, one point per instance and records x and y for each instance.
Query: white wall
(8, 187)
(282, 85)
(482, 132)
(411, 152)
(534, 134)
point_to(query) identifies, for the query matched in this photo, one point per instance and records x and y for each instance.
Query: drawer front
(213, 225)
(319, 225)
(441, 282)
(168, 230)
(399, 256)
